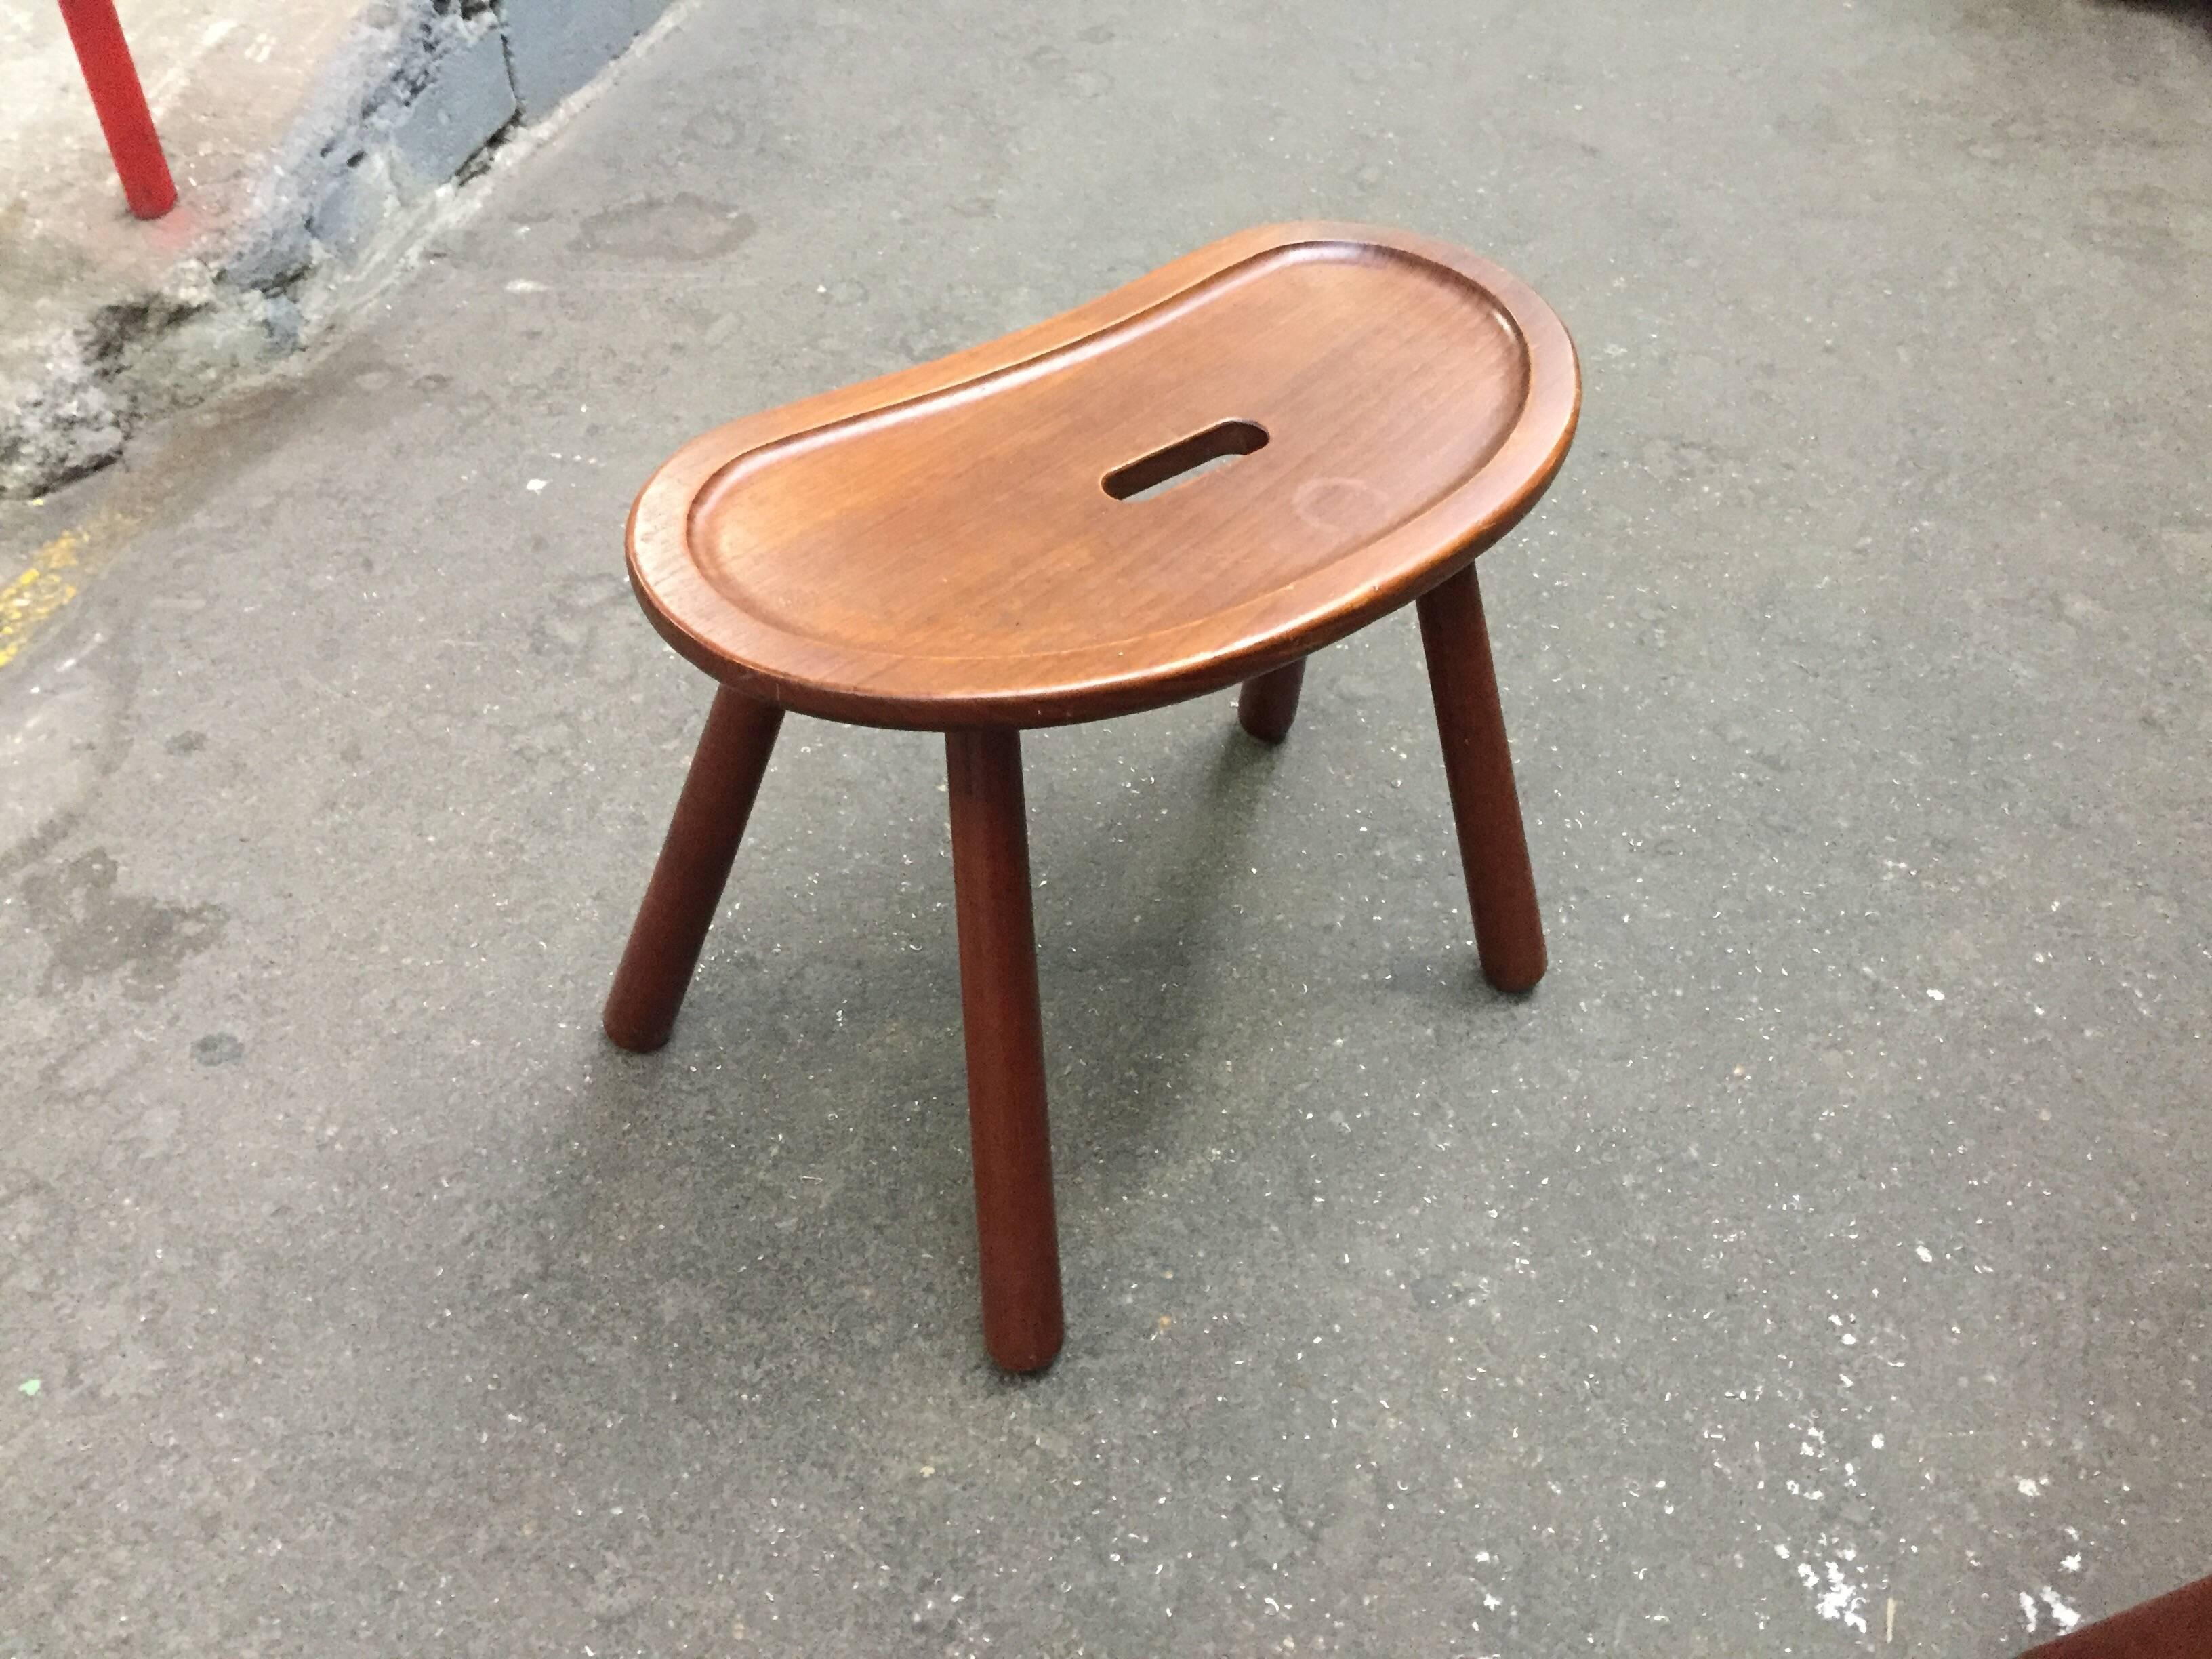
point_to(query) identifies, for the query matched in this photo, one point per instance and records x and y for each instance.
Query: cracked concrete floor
(1816, 1263)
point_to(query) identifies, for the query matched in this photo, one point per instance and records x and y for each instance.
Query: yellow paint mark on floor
(33, 599)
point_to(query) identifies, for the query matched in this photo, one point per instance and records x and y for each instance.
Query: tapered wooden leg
(1018, 1243)
(694, 863)
(1500, 887)
(1268, 704)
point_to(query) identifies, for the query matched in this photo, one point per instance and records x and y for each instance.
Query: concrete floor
(1816, 1263)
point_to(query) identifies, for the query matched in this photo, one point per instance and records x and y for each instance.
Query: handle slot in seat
(1217, 445)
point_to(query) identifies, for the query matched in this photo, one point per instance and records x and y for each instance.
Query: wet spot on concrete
(185, 743)
(95, 932)
(218, 1048)
(681, 227)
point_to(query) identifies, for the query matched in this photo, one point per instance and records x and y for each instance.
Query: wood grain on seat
(1199, 477)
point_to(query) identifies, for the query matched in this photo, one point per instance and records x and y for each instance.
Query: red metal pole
(113, 80)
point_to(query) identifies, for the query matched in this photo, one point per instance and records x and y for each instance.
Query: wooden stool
(992, 542)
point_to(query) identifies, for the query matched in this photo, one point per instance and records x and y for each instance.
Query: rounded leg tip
(1031, 1344)
(1515, 979)
(637, 1039)
(1023, 1360)
(1263, 731)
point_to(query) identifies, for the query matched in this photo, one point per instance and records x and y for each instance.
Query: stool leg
(1018, 1244)
(1508, 933)
(694, 863)
(1268, 704)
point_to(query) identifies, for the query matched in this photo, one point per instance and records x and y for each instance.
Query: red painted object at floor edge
(120, 102)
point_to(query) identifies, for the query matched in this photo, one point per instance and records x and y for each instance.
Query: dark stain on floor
(96, 932)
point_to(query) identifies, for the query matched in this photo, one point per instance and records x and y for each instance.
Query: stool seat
(1194, 479)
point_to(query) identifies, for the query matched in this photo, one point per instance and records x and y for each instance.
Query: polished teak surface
(951, 544)
(1194, 481)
